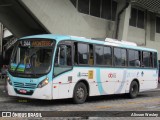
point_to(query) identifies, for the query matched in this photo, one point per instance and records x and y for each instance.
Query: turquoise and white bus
(58, 67)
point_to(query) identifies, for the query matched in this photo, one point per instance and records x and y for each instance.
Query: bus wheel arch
(134, 88)
(81, 86)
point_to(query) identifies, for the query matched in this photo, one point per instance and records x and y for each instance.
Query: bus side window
(63, 59)
(120, 57)
(83, 53)
(146, 59)
(134, 58)
(107, 56)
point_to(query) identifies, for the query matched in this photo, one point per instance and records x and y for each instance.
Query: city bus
(60, 67)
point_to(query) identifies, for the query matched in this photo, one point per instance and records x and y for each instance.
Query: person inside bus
(26, 58)
(35, 58)
(137, 63)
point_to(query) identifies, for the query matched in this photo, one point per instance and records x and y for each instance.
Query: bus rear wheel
(134, 89)
(80, 93)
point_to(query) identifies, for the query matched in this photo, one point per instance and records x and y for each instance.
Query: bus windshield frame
(32, 58)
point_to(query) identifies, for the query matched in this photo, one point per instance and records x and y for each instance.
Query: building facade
(131, 20)
(120, 19)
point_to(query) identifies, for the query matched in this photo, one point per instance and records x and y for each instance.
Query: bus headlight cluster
(43, 83)
(9, 80)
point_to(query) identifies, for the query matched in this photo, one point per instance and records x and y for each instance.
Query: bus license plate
(23, 91)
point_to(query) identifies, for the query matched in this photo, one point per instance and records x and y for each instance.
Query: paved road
(146, 101)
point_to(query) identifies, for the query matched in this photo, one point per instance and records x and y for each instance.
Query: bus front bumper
(38, 93)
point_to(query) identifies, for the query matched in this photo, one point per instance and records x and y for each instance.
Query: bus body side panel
(147, 78)
(102, 81)
(119, 76)
(62, 84)
(67, 81)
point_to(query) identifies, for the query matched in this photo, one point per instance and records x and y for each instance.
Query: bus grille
(24, 85)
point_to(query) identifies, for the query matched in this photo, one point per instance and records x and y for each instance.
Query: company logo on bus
(112, 75)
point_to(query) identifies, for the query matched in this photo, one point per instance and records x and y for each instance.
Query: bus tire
(80, 93)
(134, 89)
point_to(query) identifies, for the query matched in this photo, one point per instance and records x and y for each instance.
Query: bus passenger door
(62, 66)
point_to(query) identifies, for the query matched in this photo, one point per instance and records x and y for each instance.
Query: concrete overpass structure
(28, 17)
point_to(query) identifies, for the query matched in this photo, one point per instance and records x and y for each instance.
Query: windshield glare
(32, 57)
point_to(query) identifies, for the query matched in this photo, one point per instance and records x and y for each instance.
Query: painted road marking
(103, 107)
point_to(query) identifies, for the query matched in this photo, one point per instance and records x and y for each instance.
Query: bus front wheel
(134, 89)
(80, 93)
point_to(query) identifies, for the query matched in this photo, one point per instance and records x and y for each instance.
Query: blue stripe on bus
(122, 83)
(98, 79)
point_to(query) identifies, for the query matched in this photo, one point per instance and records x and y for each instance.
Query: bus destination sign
(36, 43)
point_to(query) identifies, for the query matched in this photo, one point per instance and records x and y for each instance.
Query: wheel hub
(80, 93)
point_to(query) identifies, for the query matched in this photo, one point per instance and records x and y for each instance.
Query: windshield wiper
(17, 66)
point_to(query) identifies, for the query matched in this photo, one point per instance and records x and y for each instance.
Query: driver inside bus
(26, 58)
(33, 59)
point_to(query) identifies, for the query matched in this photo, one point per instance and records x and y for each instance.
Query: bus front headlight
(9, 80)
(43, 83)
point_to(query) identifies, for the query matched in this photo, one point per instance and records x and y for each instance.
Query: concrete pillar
(152, 26)
(124, 20)
(148, 24)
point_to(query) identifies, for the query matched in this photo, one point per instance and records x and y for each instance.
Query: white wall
(157, 37)
(154, 45)
(61, 17)
(136, 35)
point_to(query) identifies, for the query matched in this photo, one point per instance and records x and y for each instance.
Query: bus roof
(83, 39)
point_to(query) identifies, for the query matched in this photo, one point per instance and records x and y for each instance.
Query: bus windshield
(32, 57)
